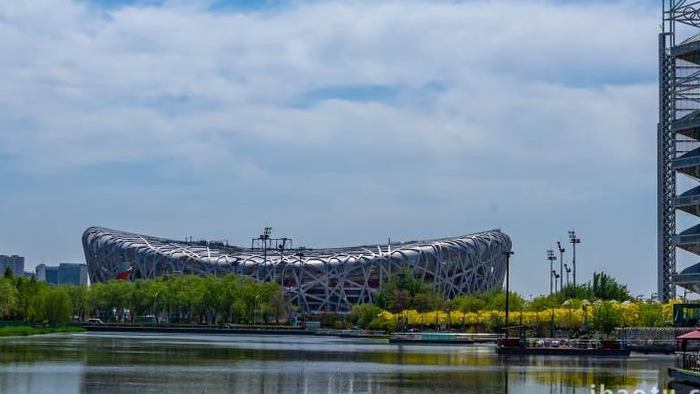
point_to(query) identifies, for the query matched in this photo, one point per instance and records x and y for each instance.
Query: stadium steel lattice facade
(319, 280)
(678, 142)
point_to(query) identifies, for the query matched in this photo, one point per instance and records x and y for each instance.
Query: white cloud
(81, 86)
(517, 105)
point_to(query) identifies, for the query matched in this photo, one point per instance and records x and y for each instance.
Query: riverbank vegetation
(403, 302)
(183, 299)
(597, 306)
(25, 330)
(29, 300)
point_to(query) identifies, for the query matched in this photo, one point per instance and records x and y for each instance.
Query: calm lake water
(124, 363)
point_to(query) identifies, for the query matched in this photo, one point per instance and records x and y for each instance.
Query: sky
(335, 123)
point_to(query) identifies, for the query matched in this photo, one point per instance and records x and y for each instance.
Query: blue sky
(336, 123)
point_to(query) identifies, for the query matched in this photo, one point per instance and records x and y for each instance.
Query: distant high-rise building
(14, 262)
(47, 274)
(72, 274)
(64, 274)
(40, 272)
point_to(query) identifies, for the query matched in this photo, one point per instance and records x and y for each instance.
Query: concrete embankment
(195, 330)
(234, 331)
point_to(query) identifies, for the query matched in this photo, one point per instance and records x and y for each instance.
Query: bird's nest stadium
(317, 280)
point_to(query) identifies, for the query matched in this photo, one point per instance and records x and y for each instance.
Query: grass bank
(16, 331)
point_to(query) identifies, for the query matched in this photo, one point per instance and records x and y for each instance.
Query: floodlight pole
(573, 240)
(507, 254)
(302, 305)
(551, 257)
(561, 265)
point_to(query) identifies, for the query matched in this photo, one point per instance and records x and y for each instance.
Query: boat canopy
(693, 335)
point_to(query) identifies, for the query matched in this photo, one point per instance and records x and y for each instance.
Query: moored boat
(561, 347)
(687, 368)
(439, 338)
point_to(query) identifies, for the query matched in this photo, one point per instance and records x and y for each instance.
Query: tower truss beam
(677, 135)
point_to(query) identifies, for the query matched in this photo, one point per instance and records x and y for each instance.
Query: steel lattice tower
(678, 135)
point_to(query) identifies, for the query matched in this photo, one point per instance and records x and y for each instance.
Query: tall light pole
(573, 240)
(559, 276)
(567, 269)
(508, 254)
(553, 274)
(561, 265)
(281, 247)
(300, 276)
(551, 257)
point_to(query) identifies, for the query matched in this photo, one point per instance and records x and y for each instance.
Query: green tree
(427, 301)
(579, 292)
(274, 305)
(469, 303)
(401, 290)
(651, 315)
(9, 299)
(495, 323)
(605, 287)
(79, 299)
(544, 302)
(364, 314)
(186, 299)
(497, 301)
(605, 317)
(53, 305)
(29, 290)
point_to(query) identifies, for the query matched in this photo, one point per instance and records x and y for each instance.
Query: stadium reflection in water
(287, 364)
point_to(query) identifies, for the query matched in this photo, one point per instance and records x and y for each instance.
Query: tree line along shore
(403, 302)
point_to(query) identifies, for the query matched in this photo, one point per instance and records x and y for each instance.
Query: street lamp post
(507, 254)
(551, 257)
(568, 270)
(574, 240)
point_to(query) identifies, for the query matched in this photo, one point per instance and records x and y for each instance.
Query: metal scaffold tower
(678, 136)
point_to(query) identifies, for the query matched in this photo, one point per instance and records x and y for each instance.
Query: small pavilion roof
(693, 335)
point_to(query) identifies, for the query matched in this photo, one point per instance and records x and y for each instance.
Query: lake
(138, 363)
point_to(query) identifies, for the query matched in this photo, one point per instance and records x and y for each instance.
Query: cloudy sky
(334, 122)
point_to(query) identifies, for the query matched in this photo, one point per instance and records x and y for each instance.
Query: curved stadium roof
(329, 279)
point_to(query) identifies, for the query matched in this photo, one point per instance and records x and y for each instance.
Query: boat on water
(362, 334)
(440, 338)
(560, 347)
(653, 348)
(687, 368)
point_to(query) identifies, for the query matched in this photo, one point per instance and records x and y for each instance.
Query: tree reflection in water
(279, 364)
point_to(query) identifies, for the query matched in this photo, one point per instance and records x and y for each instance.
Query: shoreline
(197, 330)
(26, 330)
(235, 331)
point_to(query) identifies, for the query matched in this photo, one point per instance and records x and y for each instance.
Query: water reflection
(284, 364)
